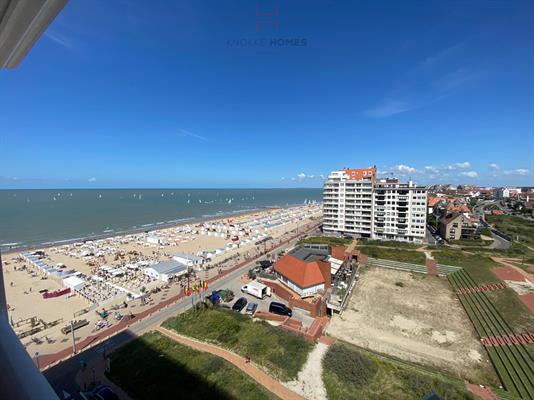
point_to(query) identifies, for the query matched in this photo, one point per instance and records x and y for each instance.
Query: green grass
(512, 362)
(390, 243)
(516, 314)
(281, 352)
(470, 243)
(156, 367)
(332, 241)
(478, 265)
(409, 256)
(520, 229)
(353, 373)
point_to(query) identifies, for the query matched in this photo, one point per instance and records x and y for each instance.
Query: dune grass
(156, 367)
(281, 352)
(353, 373)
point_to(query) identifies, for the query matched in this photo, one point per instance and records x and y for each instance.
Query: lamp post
(73, 338)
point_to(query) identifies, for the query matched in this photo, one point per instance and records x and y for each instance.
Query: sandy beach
(221, 243)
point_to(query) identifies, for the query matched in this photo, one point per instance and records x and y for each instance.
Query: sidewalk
(240, 362)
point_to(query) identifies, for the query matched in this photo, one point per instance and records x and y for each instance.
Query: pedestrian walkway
(240, 362)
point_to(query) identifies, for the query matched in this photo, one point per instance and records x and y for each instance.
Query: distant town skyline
(201, 94)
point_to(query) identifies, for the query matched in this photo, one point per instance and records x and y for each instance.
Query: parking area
(263, 304)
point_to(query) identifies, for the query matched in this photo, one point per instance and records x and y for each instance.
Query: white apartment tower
(355, 202)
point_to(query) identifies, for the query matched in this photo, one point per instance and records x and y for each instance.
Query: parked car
(280, 309)
(226, 295)
(239, 304)
(251, 308)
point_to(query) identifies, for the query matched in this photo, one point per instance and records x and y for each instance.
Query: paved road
(62, 376)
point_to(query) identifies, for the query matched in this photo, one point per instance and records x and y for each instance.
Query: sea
(43, 217)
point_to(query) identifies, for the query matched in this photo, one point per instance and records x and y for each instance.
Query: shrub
(399, 284)
(423, 385)
(350, 366)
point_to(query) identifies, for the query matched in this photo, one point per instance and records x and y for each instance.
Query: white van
(256, 289)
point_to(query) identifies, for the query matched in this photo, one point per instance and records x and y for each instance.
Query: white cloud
(59, 39)
(431, 169)
(183, 132)
(469, 174)
(517, 171)
(301, 176)
(92, 179)
(463, 165)
(389, 107)
(405, 169)
(494, 167)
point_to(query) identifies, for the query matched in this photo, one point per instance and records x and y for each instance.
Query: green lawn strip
(407, 256)
(485, 328)
(478, 265)
(156, 367)
(472, 243)
(281, 352)
(517, 373)
(520, 358)
(350, 372)
(390, 243)
(516, 250)
(332, 241)
(503, 394)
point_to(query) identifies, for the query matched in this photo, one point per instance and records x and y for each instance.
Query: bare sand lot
(413, 317)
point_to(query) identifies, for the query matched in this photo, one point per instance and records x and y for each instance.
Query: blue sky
(196, 94)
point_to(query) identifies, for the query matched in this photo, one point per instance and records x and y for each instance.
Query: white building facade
(355, 202)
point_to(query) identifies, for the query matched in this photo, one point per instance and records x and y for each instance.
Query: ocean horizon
(34, 217)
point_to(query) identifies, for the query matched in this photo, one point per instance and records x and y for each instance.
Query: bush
(281, 352)
(423, 385)
(399, 284)
(349, 366)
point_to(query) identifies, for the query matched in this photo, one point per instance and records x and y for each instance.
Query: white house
(166, 270)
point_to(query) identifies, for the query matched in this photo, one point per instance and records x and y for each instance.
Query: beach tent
(74, 283)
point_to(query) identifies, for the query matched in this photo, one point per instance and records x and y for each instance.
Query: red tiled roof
(303, 274)
(432, 201)
(338, 252)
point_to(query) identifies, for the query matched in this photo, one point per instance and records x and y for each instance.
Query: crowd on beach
(113, 268)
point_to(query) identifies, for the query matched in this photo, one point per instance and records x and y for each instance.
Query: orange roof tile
(303, 274)
(338, 252)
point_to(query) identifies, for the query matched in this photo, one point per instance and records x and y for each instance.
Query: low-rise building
(305, 270)
(456, 226)
(166, 270)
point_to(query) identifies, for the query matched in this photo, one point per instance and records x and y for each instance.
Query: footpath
(249, 368)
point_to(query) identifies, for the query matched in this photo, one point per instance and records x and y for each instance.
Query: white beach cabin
(166, 270)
